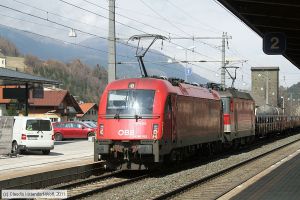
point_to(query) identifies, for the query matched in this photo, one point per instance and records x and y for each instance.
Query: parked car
(91, 123)
(31, 133)
(64, 130)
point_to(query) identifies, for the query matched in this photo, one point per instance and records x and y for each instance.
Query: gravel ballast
(151, 187)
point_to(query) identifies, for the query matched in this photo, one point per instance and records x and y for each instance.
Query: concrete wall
(3, 110)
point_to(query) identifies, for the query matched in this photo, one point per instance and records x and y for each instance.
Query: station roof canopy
(265, 16)
(11, 77)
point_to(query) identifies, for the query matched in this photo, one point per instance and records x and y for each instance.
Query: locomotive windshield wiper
(137, 117)
(117, 116)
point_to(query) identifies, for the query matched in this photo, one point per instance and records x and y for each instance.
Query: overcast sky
(174, 18)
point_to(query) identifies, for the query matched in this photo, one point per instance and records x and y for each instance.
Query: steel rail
(86, 181)
(85, 193)
(208, 178)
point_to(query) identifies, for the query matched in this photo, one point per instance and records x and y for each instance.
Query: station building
(56, 104)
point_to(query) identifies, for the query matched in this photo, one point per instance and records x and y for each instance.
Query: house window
(54, 119)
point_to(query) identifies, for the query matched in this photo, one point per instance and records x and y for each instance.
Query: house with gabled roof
(90, 112)
(56, 104)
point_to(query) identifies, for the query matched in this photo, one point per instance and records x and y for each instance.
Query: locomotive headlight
(155, 131)
(101, 129)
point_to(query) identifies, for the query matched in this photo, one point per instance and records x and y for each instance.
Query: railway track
(111, 183)
(101, 183)
(218, 184)
(108, 181)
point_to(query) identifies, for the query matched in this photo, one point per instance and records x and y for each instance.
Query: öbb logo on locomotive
(126, 132)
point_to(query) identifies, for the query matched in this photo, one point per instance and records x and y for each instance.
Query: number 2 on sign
(274, 42)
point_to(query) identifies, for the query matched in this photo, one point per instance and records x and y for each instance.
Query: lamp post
(267, 87)
(298, 108)
(282, 104)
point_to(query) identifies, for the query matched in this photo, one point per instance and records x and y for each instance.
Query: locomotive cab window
(168, 105)
(226, 104)
(130, 102)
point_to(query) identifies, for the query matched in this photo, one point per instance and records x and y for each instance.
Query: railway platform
(65, 155)
(281, 183)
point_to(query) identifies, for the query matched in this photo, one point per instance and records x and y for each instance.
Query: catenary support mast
(111, 43)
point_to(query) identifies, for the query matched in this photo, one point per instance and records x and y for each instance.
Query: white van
(30, 133)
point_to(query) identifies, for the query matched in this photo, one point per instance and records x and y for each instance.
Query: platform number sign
(274, 43)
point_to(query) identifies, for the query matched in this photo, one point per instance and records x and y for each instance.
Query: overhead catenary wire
(212, 29)
(228, 11)
(156, 17)
(171, 23)
(58, 15)
(32, 15)
(64, 41)
(75, 44)
(77, 29)
(127, 17)
(51, 21)
(84, 9)
(24, 20)
(102, 51)
(122, 23)
(79, 45)
(63, 25)
(247, 63)
(187, 14)
(128, 26)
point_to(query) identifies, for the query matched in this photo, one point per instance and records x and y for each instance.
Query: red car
(63, 130)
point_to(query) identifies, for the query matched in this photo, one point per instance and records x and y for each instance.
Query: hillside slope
(48, 49)
(84, 83)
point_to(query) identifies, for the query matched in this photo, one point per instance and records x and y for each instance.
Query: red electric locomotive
(145, 121)
(239, 116)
